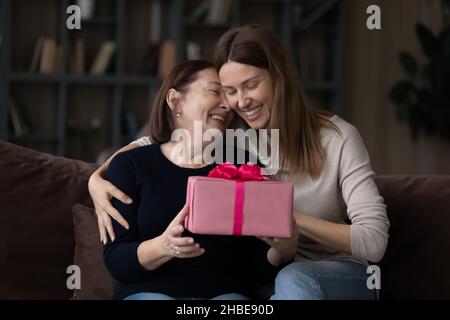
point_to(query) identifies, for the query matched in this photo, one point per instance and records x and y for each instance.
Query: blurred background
(82, 93)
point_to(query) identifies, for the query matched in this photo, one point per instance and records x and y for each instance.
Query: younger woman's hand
(174, 244)
(282, 249)
(102, 191)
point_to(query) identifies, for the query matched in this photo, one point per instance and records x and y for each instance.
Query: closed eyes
(230, 92)
(252, 85)
(215, 92)
(249, 86)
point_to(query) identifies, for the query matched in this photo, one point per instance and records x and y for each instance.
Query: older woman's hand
(155, 252)
(102, 191)
(174, 244)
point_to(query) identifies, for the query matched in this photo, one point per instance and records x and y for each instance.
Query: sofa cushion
(417, 258)
(96, 282)
(37, 192)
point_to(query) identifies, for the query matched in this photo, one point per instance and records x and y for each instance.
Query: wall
(370, 68)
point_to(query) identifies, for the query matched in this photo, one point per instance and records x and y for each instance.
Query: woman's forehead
(235, 72)
(208, 75)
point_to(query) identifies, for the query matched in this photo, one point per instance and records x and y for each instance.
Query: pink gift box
(266, 207)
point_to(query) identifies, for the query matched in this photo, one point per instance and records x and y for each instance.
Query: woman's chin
(259, 121)
(257, 124)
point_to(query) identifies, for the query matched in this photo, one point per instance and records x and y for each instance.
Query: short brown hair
(299, 124)
(161, 122)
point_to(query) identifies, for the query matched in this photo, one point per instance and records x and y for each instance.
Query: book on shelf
(155, 21)
(193, 50)
(37, 53)
(167, 58)
(151, 59)
(213, 12)
(49, 56)
(103, 58)
(87, 8)
(199, 12)
(219, 11)
(19, 120)
(77, 60)
(151, 56)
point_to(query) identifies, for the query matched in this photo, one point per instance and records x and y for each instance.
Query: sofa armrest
(37, 192)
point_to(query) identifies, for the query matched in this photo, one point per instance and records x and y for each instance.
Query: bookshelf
(310, 29)
(76, 114)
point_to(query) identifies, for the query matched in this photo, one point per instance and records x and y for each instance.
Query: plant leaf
(400, 91)
(445, 43)
(408, 63)
(427, 40)
(401, 111)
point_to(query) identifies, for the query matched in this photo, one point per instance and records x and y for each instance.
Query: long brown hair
(161, 121)
(299, 123)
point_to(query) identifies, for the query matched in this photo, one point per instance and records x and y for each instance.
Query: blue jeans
(160, 296)
(319, 280)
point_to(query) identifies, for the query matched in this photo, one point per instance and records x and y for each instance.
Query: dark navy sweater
(158, 189)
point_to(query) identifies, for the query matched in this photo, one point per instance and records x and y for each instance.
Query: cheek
(266, 95)
(194, 112)
(233, 102)
(200, 107)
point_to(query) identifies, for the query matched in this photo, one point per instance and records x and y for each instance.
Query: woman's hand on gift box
(282, 250)
(174, 244)
(170, 244)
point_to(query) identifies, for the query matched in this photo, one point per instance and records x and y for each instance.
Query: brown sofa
(38, 191)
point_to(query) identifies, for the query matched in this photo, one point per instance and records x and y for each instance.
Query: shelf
(90, 79)
(34, 77)
(206, 25)
(99, 22)
(85, 79)
(262, 1)
(34, 137)
(129, 80)
(141, 80)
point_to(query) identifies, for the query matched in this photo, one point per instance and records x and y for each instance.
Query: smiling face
(202, 100)
(249, 91)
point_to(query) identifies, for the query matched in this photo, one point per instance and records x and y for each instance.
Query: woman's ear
(172, 99)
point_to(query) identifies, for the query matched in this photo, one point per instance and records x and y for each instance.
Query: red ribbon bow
(244, 173)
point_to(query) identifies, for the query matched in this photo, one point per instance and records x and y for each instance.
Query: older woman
(153, 257)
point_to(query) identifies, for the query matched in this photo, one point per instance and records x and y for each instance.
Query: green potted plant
(422, 99)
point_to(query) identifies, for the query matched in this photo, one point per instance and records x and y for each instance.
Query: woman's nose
(242, 101)
(225, 104)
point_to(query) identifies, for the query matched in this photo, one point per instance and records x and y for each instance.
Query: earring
(178, 114)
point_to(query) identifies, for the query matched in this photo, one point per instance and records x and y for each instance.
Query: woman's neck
(183, 155)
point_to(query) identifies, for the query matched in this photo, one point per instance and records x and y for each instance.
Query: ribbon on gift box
(240, 175)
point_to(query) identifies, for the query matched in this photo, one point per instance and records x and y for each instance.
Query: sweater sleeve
(142, 142)
(120, 255)
(365, 207)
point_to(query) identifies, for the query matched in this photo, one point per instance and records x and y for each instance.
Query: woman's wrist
(152, 253)
(100, 171)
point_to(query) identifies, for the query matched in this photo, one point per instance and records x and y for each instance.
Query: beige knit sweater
(345, 188)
